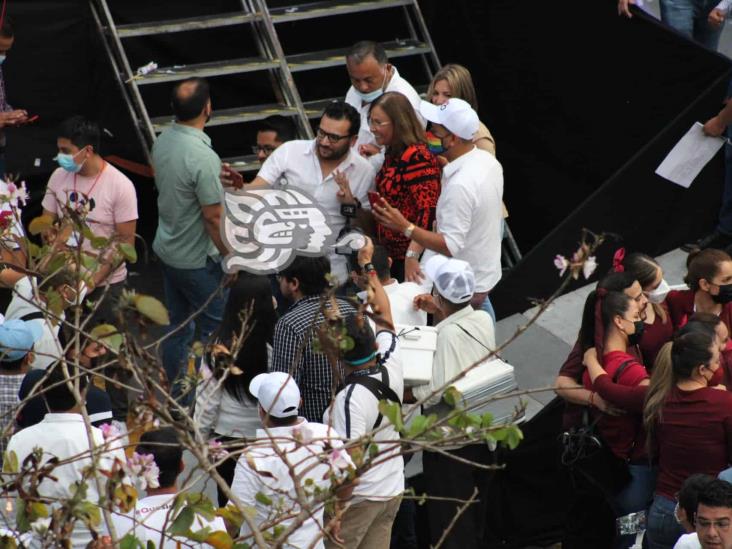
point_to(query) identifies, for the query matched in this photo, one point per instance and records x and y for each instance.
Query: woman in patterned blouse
(409, 179)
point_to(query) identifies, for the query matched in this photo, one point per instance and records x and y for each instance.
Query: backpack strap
(32, 316)
(378, 387)
(619, 371)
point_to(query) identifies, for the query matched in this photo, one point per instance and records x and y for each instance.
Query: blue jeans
(186, 290)
(663, 529)
(636, 496)
(689, 17)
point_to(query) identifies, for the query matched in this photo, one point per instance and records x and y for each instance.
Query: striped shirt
(293, 337)
(411, 184)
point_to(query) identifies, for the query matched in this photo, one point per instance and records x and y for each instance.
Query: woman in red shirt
(658, 326)
(612, 324)
(709, 277)
(688, 421)
(409, 178)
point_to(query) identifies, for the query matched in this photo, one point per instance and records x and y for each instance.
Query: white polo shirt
(355, 412)
(396, 84)
(63, 435)
(296, 164)
(470, 214)
(260, 469)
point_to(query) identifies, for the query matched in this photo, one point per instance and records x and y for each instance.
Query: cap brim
(430, 112)
(434, 264)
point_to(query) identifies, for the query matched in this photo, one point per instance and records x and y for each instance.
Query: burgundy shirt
(654, 337)
(681, 307)
(623, 434)
(694, 436)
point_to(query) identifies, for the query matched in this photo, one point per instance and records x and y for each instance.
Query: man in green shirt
(190, 206)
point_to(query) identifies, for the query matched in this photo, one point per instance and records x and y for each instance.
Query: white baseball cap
(455, 114)
(453, 278)
(277, 393)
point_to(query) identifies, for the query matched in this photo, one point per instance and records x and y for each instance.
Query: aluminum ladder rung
(245, 163)
(236, 115)
(187, 24)
(330, 8)
(333, 58)
(213, 68)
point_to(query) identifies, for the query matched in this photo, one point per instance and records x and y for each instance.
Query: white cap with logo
(453, 278)
(455, 114)
(277, 393)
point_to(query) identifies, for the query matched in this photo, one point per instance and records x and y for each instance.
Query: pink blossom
(109, 431)
(216, 450)
(589, 266)
(561, 263)
(339, 459)
(303, 434)
(142, 467)
(17, 194)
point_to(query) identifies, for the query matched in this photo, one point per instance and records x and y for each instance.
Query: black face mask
(634, 338)
(724, 295)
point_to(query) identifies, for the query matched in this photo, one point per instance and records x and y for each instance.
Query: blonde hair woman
(455, 81)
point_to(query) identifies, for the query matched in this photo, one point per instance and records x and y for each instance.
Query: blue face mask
(66, 161)
(372, 96)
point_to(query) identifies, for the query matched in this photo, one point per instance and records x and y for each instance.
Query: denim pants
(663, 529)
(186, 290)
(636, 496)
(689, 17)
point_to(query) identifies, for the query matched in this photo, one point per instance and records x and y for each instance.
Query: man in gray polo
(188, 241)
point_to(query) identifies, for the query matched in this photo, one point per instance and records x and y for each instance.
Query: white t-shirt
(396, 84)
(355, 412)
(295, 164)
(152, 515)
(261, 469)
(470, 215)
(688, 541)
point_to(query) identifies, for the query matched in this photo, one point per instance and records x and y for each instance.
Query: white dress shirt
(463, 338)
(261, 470)
(365, 137)
(470, 215)
(64, 436)
(296, 164)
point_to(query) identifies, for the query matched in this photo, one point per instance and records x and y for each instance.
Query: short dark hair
(717, 493)
(361, 50)
(167, 452)
(340, 110)
(81, 132)
(310, 272)
(56, 393)
(689, 494)
(364, 341)
(6, 29)
(282, 421)
(380, 261)
(191, 106)
(283, 126)
(12, 364)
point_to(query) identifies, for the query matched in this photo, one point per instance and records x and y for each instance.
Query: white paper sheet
(689, 156)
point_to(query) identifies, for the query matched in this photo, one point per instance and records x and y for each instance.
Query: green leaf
(109, 335)
(393, 412)
(99, 242)
(21, 517)
(513, 436)
(419, 425)
(54, 301)
(10, 462)
(34, 250)
(128, 251)
(87, 232)
(346, 344)
(182, 523)
(242, 546)
(89, 513)
(89, 262)
(263, 499)
(199, 535)
(129, 542)
(40, 224)
(220, 540)
(452, 397)
(57, 263)
(152, 308)
(37, 510)
(486, 420)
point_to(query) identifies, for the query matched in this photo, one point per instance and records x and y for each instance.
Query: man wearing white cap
(261, 471)
(469, 211)
(464, 336)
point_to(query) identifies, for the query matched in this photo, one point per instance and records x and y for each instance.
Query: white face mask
(660, 293)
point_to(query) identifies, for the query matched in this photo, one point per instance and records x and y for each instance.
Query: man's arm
(212, 221)
(378, 299)
(124, 233)
(392, 218)
(716, 125)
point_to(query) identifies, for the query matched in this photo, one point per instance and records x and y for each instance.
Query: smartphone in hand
(374, 198)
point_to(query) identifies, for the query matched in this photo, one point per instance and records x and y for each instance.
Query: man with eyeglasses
(713, 519)
(371, 76)
(328, 170)
(272, 132)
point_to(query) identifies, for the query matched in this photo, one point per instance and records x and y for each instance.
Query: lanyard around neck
(96, 180)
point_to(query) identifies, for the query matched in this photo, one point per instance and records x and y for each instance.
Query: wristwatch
(368, 268)
(412, 254)
(409, 230)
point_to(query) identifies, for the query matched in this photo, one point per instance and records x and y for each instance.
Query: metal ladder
(271, 58)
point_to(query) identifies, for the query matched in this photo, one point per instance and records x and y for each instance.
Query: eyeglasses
(704, 524)
(266, 149)
(376, 124)
(331, 137)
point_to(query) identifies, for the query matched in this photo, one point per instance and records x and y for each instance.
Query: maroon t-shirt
(654, 337)
(621, 433)
(681, 307)
(694, 436)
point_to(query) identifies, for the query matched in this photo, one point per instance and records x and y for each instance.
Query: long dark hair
(612, 282)
(645, 269)
(249, 291)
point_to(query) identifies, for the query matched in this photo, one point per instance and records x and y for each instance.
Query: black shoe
(715, 239)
